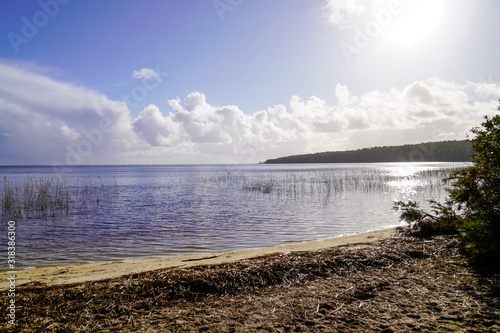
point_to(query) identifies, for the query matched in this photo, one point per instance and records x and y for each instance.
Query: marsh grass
(327, 183)
(39, 197)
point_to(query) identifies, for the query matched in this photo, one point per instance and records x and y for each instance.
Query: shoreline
(69, 274)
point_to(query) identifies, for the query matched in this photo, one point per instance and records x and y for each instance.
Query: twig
(196, 259)
(343, 292)
(338, 308)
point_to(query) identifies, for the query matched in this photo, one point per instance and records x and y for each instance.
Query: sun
(417, 20)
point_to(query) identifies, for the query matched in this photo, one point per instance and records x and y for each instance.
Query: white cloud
(339, 12)
(344, 96)
(155, 129)
(44, 120)
(146, 73)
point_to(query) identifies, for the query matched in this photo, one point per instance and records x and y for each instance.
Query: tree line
(443, 151)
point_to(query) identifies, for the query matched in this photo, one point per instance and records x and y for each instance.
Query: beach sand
(58, 275)
(364, 283)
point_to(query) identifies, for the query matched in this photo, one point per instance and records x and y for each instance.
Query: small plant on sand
(473, 207)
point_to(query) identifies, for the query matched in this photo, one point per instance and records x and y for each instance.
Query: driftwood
(204, 258)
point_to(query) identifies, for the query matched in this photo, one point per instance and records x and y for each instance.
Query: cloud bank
(45, 121)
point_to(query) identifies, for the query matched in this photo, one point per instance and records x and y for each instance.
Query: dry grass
(400, 284)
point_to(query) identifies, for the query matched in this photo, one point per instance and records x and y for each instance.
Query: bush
(444, 219)
(473, 207)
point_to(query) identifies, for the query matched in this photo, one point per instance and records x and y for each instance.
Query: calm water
(166, 210)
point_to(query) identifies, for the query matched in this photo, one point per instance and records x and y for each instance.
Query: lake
(125, 212)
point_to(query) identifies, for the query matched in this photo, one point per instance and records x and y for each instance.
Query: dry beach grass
(398, 284)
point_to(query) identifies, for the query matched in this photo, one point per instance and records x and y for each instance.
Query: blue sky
(238, 81)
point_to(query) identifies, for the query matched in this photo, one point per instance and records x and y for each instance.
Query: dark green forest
(443, 151)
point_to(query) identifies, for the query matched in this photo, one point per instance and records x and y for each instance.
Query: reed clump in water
(48, 197)
(324, 184)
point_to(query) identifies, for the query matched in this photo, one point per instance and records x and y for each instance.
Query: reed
(41, 197)
(323, 184)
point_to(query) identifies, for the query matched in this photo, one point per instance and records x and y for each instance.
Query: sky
(239, 81)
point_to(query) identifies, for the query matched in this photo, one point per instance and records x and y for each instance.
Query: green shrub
(444, 219)
(473, 207)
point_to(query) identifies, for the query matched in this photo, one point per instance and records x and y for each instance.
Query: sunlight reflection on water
(166, 210)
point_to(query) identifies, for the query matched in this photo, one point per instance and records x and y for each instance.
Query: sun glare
(417, 21)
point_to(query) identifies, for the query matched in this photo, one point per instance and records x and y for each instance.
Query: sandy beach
(57, 275)
(371, 282)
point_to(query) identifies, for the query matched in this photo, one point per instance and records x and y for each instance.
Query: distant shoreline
(442, 151)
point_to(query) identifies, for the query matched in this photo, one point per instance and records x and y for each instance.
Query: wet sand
(58, 275)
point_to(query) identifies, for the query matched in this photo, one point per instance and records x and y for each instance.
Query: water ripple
(167, 210)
